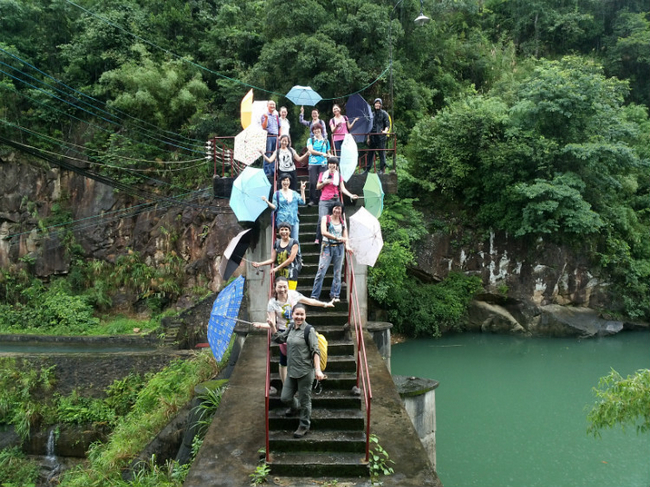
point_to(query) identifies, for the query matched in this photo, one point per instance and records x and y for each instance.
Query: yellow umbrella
(247, 109)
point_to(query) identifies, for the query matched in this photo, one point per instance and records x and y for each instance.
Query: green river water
(512, 411)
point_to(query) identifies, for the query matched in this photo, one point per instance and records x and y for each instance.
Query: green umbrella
(373, 195)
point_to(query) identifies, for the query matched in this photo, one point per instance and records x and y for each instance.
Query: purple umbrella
(357, 107)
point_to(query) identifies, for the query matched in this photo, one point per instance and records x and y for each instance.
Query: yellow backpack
(322, 346)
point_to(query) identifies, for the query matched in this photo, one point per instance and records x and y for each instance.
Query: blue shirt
(273, 125)
(287, 211)
(319, 146)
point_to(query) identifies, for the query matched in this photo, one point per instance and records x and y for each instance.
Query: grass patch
(17, 470)
(164, 394)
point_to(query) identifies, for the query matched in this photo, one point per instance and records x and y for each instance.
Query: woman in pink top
(340, 125)
(331, 185)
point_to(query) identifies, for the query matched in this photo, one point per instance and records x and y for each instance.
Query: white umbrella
(248, 144)
(365, 237)
(349, 157)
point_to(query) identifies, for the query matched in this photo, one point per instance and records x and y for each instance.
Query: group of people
(331, 230)
(286, 314)
(278, 142)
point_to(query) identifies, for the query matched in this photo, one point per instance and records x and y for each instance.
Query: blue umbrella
(246, 196)
(358, 108)
(223, 317)
(303, 95)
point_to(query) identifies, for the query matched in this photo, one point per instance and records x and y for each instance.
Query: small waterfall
(50, 456)
(51, 462)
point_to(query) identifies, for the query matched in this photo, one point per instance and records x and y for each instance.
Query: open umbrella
(349, 157)
(247, 109)
(248, 144)
(357, 107)
(373, 195)
(303, 95)
(234, 253)
(223, 317)
(365, 237)
(246, 195)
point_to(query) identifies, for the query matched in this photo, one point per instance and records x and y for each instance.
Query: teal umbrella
(373, 195)
(303, 95)
(246, 196)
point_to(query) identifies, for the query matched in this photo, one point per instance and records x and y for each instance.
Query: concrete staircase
(335, 444)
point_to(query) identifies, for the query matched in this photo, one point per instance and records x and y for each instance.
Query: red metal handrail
(363, 373)
(267, 387)
(230, 167)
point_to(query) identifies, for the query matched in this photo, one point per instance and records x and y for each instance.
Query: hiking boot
(291, 412)
(300, 432)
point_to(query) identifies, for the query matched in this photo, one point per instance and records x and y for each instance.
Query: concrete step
(331, 332)
(342, 363)
(335, 381)
(322, 317)
(318, 441)
(327, 399)
(335, 348)
(321, 419)
(318, 465)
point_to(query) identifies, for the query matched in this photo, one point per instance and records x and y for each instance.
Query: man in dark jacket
(377, 141)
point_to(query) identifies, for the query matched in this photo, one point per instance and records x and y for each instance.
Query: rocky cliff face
(531, 289)
(107, 223)
(538, 289)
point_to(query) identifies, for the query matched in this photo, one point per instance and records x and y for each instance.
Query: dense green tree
(166, 93)
(562, 160)
(628, 56)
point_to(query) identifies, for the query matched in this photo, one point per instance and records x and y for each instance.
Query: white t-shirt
(283, 310)
(285, 160)
(284, 126)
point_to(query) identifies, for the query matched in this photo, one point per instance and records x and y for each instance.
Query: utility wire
(89, 159)
(199, 142)
(104, 179)
(112, 122)
(64, 143)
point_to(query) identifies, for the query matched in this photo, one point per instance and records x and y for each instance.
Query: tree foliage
(621, 402)
(414, 307)
(558, 157)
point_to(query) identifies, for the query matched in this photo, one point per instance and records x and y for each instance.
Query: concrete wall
(91, 373)
(419, 398)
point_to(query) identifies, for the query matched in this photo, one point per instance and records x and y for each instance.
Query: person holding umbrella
(283, 255)
(335, 243)
(315, 121)
(271, 123)
(285, 204)
(303, 359)
(339, 126)
(331, 185)
(279, 314)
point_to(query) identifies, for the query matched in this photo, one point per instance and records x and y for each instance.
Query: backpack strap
(308, 328)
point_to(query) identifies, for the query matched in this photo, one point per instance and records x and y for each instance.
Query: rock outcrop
(107, 224)
(543, 289)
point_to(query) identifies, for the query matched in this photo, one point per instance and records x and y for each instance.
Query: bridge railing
(354, 319)
(222, 149)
